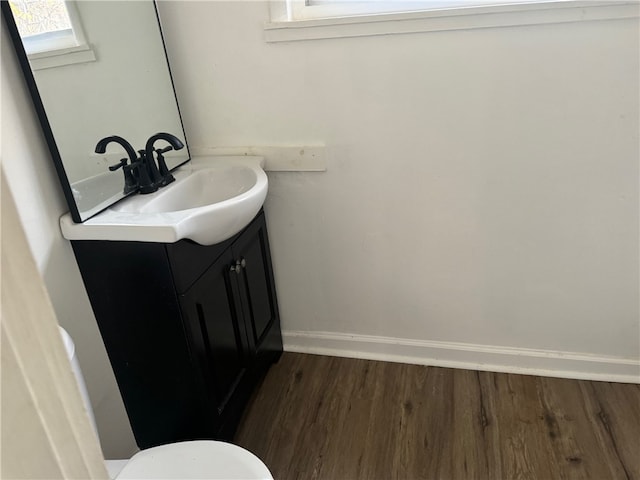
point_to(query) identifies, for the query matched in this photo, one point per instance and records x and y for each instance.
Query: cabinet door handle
(237, 268)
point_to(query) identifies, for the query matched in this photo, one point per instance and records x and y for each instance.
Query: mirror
(114, 81)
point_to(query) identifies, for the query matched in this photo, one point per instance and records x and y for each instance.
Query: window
(51, 32)
(306, 9)
(318, 19)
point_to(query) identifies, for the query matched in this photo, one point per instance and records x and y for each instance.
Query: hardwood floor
(318, 417)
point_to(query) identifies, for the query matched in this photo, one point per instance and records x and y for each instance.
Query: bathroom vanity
(190, 330)
(180, 278)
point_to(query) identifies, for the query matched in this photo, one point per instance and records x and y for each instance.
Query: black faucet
(161, 177)
(136, 174)
(142, 174)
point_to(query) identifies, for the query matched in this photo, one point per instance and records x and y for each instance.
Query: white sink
(212, 199)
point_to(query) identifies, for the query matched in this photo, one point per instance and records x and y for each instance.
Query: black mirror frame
(42, 114)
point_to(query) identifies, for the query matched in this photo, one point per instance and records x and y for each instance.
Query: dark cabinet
(217, 330)
(254, 280)
(190, 330)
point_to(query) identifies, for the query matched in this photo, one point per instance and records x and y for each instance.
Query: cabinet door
(257, 290)
(218, 335)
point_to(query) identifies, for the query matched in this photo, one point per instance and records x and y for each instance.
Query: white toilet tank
(71, 352)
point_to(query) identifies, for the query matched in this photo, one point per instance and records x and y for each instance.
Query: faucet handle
(130, 182)
(167, 178)
(123, 162)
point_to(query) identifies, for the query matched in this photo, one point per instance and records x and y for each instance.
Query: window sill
(62, 57)
(449, 19)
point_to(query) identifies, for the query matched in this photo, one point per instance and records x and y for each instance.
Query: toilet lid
(200, 459)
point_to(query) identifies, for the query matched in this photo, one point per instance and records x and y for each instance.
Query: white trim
(285, 30)
(286, 158)
(62, 57)
(76, 22)
(43, 416)
(548, 363)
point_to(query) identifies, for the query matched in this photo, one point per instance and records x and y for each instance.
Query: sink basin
(201, 188)
(212, 199)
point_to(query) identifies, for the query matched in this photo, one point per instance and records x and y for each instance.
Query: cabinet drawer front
(190, 260)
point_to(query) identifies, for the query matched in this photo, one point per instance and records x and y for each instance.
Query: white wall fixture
(294, 158)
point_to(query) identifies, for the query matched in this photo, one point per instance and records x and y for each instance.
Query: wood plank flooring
(317, 417)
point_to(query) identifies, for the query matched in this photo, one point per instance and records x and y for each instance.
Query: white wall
(482, 185)
(34, 185)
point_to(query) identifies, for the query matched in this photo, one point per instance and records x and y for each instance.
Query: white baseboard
(546, 363)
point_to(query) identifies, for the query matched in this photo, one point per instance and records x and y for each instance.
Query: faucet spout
(101, 146)
(161, 177)
(174, 141)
